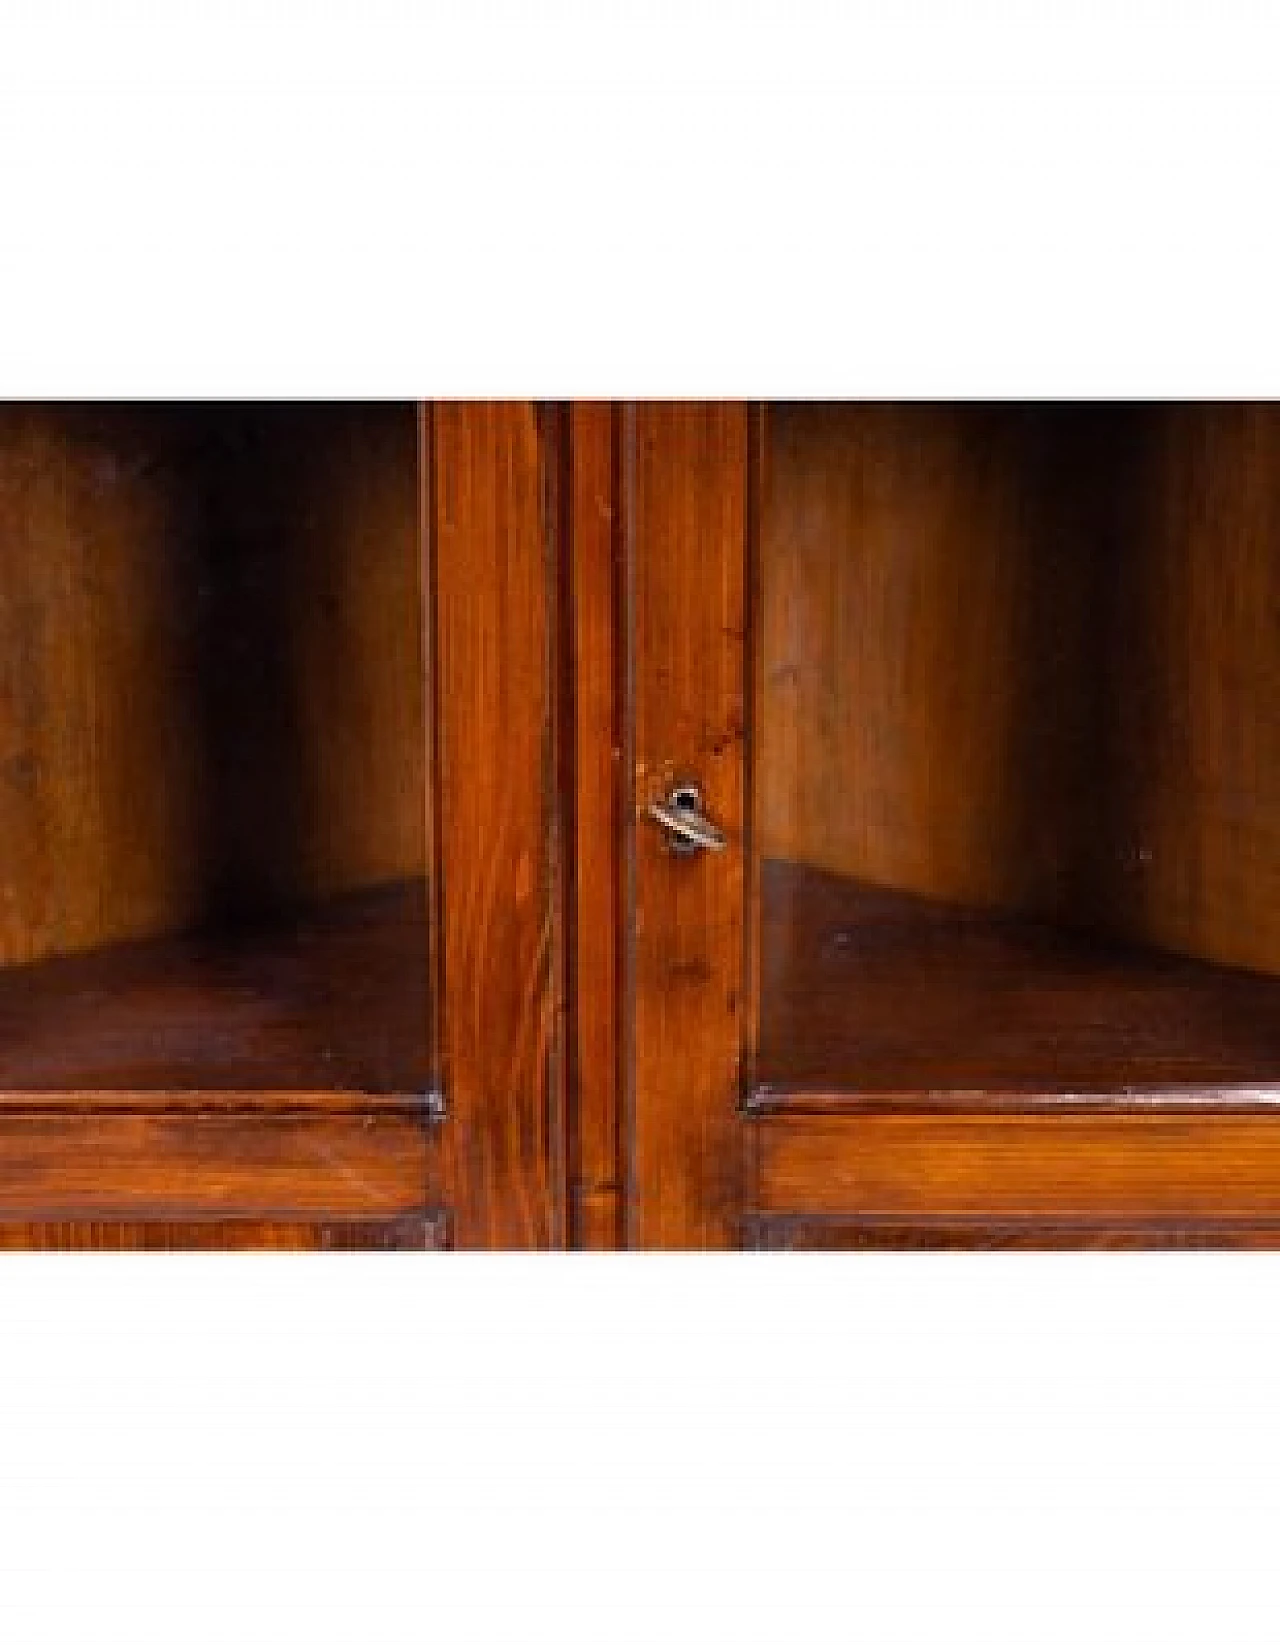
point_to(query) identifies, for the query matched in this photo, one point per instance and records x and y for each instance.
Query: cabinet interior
(212, 773)
(1017, 760)
(1016, 749)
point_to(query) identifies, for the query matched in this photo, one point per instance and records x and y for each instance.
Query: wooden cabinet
(987, 702)
(343, 903)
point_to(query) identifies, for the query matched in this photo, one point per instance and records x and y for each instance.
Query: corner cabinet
(663, 824)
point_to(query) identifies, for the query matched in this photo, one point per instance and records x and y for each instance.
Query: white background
(376, 199)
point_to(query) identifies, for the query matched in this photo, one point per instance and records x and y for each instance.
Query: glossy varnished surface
(1017, 783)
(687, 498)
(331, 1000)
(836, 1233)
(429, 1232)
(215, 1004)
(594, 695)
(493, 517)
(1006, 680)
(258, 1164)
(1139, 1166)
(870, 991)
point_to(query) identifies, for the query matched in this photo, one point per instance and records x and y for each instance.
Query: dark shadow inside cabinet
(213, 786)
(1017, 772)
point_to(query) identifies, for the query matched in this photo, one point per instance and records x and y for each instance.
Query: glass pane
(212, 786)
(1018, 761)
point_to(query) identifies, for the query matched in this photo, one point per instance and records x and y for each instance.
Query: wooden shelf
(326, 1003)
(869, 992)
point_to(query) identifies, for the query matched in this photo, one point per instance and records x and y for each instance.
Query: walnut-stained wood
(332, 1003)
(1127, 1166)
(312, 647)
(837, 1233)
(317, 721)
(1027, 656)
(685, 493)
(210, 665)
(494, 514)
(100, 729)
(264, 1165)
(927, 694)
(428, 1232)
(1192, 750)
(1013, 731)
(215, 1011)
(309, 651)
(593, 797)
(870, 992)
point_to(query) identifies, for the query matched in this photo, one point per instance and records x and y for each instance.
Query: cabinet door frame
(707, 1156)
(657, 604)
(495, 515)
(477, 1159)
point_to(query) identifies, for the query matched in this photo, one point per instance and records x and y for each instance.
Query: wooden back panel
(1028, 656)
(1193, 730)
(211, 680)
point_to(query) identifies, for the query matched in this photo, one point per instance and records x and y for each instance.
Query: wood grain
(837, 1233)
(179, 1167)
(927, 712)
(495, 517)
(1028, 657)
(428, 1232)
(1193, 730)
(332, 1002)
(1101, 1168)
(594, 794)
(99, 726)
(1016, 725)
(210, 664)
(867, 991)
(685, 487)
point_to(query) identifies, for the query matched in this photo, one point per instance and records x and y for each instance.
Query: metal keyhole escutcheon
(688, 830)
